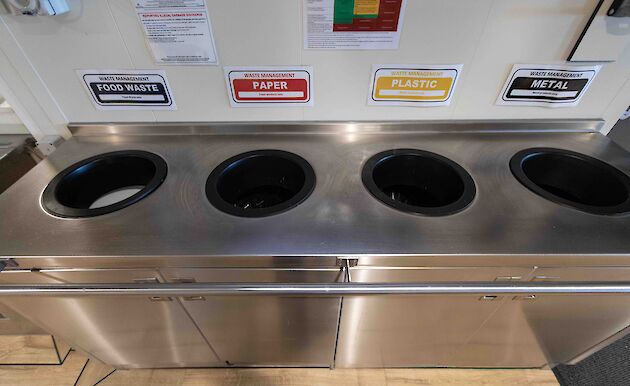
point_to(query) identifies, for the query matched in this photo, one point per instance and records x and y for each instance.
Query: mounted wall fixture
(37, 7)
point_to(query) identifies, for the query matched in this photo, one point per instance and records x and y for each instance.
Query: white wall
(486, 36)
(9, 122)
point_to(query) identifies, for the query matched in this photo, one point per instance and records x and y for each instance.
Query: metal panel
(532, 331)
(12, 323)
(265, 330)
(340, 218)
(120, 331)
(412, 331)
(16, 324)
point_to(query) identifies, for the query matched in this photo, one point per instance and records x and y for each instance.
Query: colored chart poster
(353, 24)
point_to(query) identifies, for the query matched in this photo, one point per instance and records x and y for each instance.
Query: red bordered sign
(269, 86)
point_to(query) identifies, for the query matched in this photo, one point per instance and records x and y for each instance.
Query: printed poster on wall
(413, 85)
(269, 86)
(546, 85)
(177, 31)
(353, 24)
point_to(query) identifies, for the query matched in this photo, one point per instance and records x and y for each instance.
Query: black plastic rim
(278, 179)
(573, 179)
(421, 176)
(72, 191)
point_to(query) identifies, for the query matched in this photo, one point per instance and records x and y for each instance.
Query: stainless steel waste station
(506, 276)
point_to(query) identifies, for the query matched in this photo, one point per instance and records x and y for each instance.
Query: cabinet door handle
(193, 298)
(545, 278)
(508, 278)
(524, 297)
(147, 280)
(490, 298)
(160, 298)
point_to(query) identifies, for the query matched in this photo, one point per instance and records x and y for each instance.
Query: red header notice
(270, 89)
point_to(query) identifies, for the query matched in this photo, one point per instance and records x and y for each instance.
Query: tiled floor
(74, 371)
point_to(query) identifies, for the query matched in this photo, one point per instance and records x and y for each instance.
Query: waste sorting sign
(269, 86)
(128, 89)
(413, 85)
(547, 85)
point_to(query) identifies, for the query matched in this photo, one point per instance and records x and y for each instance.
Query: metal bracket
(48, 144)
(347, 262)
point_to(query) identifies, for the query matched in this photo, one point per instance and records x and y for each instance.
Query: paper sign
(269, 86)
(546, 85)
(128, 89)
(177, 31)
(413, 85)
(353, 24)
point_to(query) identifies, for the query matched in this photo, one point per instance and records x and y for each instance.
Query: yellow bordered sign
(413, 85)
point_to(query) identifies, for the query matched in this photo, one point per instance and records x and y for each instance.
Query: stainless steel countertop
(340, 218)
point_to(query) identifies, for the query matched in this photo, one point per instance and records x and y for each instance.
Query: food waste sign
(128, 90)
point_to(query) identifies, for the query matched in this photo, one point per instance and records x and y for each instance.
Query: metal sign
(547, 85)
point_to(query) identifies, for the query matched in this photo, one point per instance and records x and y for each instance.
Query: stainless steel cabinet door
(265, 330)
(557, 328)
(121, 331)
(565, 327)
(11, 322)
(415, 330)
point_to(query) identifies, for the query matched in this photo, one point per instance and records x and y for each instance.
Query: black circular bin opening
(104, 183)
(573, 179)
(260, 183)
(418, 181)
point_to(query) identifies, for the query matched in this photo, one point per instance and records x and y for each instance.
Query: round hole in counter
(104, 183)
(573, 179)
(418, 181)
(260, 183)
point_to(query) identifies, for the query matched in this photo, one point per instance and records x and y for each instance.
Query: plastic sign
(413, 85)
(128, 89)
(546, 85)
(269, 86)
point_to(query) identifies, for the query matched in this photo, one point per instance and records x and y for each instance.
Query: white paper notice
(178, 31)
(547, 85)
(353, 24)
